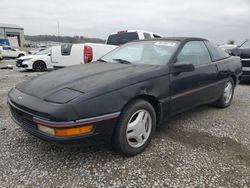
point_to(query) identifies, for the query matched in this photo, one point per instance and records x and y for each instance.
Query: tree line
(63, 39)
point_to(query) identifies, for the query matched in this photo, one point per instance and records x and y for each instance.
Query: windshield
(245, 45)
(43, 52)
(122, 38)
(145, 52)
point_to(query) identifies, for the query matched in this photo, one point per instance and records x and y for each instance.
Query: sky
(216, 20)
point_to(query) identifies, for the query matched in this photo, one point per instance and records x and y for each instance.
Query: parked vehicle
(1, 53)
(122, 37)
(10, 52)
(39, 62)
(244, 52)
(36, 50)
(228, 47)
(124, 95)
(76, 54)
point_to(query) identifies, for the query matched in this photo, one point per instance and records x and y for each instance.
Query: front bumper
(103, 126)
(19, 64)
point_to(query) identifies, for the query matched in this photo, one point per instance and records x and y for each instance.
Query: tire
(223, 101)
(131, 138)
(20, 55)
(39, 66)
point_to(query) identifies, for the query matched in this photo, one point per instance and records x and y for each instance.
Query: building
(14, 33)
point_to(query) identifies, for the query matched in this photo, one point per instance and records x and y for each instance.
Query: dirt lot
(205, 147)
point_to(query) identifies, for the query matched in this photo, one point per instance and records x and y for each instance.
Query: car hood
(90, 79)
(30, 57)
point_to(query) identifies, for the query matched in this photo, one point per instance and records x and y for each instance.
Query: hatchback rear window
(122, 38)
(216, 52)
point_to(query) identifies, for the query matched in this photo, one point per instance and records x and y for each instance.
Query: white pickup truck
(75, 54)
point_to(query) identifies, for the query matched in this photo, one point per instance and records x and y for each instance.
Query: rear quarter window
(122, 38)
(156, 36)
(216, 52)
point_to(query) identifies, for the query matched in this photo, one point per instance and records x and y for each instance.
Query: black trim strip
(167, 99)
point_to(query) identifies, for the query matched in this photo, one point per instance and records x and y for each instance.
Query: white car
(38, 62)
(228, 47)
(10, 52)
(36, 50)
(75, 54)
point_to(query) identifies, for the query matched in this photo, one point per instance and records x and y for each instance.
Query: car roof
(181, 39)
(134, 30)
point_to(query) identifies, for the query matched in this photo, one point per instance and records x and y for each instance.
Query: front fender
(29, 63)
(115, 101)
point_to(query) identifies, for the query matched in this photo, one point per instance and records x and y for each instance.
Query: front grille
(22, 117)
(246, 73)
(19, 61)
(245, 63)
(43, 115)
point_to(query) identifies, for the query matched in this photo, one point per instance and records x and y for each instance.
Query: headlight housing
(27, 59)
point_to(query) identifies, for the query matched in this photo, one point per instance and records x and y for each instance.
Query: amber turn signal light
(74, 131)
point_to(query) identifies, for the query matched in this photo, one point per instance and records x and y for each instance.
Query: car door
(12, 52)
(189, 89)
(5, 51)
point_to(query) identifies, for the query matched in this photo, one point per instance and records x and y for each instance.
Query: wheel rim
(228, 92)
(39, 67)
(139, 128)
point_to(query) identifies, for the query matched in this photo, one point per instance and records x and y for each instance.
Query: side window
(216, 52)
(146, 35)
(12, 49)
(194, 52)
(156, 36)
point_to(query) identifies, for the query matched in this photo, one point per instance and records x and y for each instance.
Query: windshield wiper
(122, 61)
(102, 60)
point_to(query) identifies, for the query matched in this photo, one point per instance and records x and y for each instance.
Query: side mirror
(182, 67)
(49, 54)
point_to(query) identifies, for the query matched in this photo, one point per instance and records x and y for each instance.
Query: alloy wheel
(139, 128)
(228, 92)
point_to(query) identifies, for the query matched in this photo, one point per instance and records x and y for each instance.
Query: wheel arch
(21, 54)
(234, 79)
(151, 100)
(41, 61)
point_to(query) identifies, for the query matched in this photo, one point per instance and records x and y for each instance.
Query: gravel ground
(205, 147)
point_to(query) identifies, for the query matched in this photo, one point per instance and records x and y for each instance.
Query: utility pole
(58, 30)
